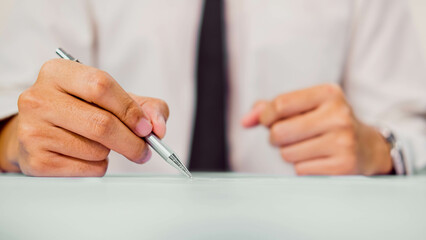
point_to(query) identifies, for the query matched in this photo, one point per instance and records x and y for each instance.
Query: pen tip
(186, 171)
(179, 165)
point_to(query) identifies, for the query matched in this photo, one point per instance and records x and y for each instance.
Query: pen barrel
(162, 149)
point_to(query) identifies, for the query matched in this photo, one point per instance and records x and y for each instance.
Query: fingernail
(160, 126)
(144, 127)
(146, 157)
(161, 120)
(252, 111)
(249, 118)
(245, 119)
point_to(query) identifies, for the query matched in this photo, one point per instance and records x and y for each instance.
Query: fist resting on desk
(72, 117)
(316, 131)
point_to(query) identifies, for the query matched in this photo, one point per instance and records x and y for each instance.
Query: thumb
(252, 118)
(156, 110)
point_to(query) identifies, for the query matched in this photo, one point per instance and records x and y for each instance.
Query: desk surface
(212, 206)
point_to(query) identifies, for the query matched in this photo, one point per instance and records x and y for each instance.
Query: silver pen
(162, 149)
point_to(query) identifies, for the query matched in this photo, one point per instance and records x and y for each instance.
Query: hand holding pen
(72, 117)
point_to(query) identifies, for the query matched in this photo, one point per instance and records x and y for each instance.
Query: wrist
(385, 165)
(375, 151)
(9, 145)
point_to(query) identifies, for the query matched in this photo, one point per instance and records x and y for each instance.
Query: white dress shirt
(274, 46)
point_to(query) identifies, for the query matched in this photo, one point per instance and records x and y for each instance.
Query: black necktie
(209, 149)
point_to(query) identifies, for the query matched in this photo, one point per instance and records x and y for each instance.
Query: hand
(72, 117)
(316, 130)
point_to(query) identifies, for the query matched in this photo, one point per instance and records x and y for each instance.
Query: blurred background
(418, 9)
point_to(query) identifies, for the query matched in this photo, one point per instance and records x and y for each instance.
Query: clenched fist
(316, 130)
(72, 117)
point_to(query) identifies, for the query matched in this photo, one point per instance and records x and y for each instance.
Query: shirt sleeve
(385, 75)
(32, 32)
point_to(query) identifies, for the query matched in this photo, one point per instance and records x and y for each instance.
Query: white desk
(212, 206)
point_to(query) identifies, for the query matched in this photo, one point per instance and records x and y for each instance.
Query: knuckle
(279, 103)
(139, 151)
(342, 122)
(274, 135)
(333, 89)
(26, 134)
(100, 83)
(286, 155)
(48, 67)
(100, 171)
(103, 124)
(131, 113)
(165, 107)
(29, 100)
(346, 112)
(344, 119)
(97, 169)
(100, 153)
(90, 169)
(299, 170)
(347, 139)
(35, 167)
(348, 166)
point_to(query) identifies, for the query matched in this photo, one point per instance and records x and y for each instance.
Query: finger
(158, 121)
(327, 118)
(317, 147)
(70, 144)
(326, 166)
(50, 164)
(297, 102)
(97, 125)
(251, 119)
(98, 87)
(298, 128)
(157, 110)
